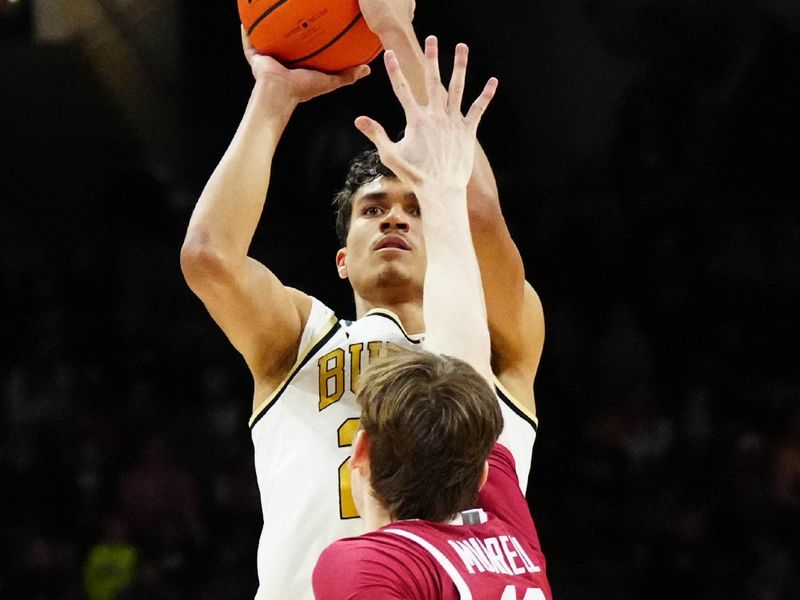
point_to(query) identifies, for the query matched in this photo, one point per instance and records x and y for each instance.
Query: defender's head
(429, 422)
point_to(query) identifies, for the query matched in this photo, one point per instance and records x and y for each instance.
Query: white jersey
(301, 437)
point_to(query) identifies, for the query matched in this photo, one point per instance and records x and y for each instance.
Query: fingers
(433, 78)
(455, 91)
(374, 132)
(451, 98)
(481, 103)
(352, 74)
(399, 82)
(249, 51)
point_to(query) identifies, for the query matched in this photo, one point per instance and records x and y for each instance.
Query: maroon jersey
(492, 553)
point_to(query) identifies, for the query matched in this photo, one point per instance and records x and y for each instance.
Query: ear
(484, 475)
(341, 263)
(360, 456)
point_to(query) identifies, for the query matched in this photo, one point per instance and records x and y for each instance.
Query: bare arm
(262, 318)
(434, 159)
(514, 312)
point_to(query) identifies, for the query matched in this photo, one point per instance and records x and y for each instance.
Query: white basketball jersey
(301, 436)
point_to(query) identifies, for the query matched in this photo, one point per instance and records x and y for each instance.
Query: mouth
(392, 242)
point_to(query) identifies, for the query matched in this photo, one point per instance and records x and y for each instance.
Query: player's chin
(394, 275)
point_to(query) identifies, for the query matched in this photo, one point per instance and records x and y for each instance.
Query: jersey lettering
(333, 368)
(331, 378)
(495, 555)
(347, 506)
(511, 555)
(526, 560)
(468, 556)
(355, 365)
(374, 349)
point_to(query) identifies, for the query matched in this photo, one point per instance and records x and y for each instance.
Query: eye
(414, 211)
(372, 210)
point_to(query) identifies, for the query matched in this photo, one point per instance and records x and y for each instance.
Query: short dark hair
(363, 168)
(432, 421)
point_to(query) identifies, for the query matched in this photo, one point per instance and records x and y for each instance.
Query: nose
(394, 219)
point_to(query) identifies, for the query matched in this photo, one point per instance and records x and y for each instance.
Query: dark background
(648, 159)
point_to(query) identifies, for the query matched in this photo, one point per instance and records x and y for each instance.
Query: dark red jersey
(492, 553)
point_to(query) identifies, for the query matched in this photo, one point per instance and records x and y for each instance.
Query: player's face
(385, 247)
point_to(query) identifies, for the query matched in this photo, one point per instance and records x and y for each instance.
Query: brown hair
(432, 421)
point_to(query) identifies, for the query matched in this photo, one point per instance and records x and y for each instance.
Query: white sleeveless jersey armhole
(319, 315)
(519, 432)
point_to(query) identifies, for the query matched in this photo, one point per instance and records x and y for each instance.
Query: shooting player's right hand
(298, 85)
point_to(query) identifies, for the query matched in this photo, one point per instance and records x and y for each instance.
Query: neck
(409, 312)
(374, 513)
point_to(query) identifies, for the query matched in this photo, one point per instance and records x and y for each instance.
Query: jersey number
(347, 433)
(510, 593)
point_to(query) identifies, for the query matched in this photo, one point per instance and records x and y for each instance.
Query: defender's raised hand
(439, 141)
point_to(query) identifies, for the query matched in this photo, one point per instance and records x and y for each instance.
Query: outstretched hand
(299, 85)
(439, 141)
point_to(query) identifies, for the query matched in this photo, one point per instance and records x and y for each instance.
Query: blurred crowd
(125, 460)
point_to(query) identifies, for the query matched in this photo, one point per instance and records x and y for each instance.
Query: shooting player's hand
(298, 85)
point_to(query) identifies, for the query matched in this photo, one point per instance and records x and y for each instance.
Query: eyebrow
(372, 197)
(381, 197)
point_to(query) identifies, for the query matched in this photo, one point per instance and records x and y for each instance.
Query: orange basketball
(327, 35)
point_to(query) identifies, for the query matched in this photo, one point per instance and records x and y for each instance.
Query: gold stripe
(388, 313)
(522, 408)
(326, 329)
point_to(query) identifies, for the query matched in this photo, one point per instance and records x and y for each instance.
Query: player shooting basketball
(429, 422)
(304, 361)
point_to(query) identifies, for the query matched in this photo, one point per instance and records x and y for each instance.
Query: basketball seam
(265, 14)
(328, 45)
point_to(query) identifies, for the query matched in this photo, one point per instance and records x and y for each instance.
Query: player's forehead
(383, 189)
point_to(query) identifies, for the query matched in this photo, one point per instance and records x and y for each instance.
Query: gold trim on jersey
(302, 356)
(385, 312)
(516, 404)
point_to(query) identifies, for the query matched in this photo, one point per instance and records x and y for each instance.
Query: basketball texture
(326, 35)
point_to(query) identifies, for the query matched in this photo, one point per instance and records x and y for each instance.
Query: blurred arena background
(648, 158)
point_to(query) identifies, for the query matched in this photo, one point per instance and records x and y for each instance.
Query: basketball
(326, 35)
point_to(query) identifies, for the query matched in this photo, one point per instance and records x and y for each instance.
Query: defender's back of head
(432, 421)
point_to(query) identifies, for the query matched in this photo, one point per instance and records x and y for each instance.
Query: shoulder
(501, 494)
(501, 458)
(501, 490)
(375, 565)
(315, 313)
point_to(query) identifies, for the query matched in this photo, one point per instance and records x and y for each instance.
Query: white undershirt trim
(461, 585)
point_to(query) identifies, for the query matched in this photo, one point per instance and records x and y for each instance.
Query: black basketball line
(326, 46)
(265, 14)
